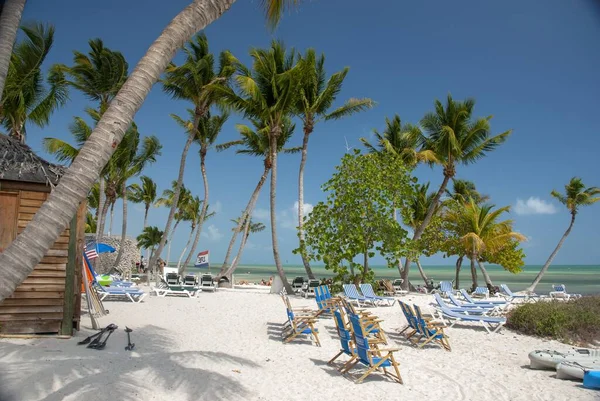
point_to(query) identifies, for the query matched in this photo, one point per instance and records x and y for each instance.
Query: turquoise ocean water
(582, 279)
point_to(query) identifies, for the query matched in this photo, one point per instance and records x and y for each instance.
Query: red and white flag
(91, 253)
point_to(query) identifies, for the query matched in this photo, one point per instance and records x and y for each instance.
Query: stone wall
(131, 256)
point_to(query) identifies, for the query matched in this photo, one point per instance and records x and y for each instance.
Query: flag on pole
(90, 253)
(202, 259)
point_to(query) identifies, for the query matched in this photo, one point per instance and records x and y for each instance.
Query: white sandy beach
(227, 345)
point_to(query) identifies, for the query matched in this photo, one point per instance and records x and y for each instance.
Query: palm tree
(144, 193)
(90, 223)
(253, 142)
(189, 81)
(19, 259)
(454, 138)
(99, 75)
(10, 18)
(576, 195)
(191, 212)
(26, 98)
(149, 239)
(479, 231)
(316, 97)
(463, 190)
(403, 140)
(267, 93)
(168, 200)
(208, 130)
(250, 228)
(130, 160)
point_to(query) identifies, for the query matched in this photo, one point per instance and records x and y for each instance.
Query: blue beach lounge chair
(490, 323)
(559, 291)
(368, 292)
(134, 295)
(459, 304)
(411, 320)
(512, 296)
(462, 309)
(430, 331)
(299, 325)
(352, 294)
(468, 298)
(345, 340)
(446, 287)
(481, 292)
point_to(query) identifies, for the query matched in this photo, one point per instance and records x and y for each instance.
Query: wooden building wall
(49, 300)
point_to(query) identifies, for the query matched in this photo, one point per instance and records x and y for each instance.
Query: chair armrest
(384, 350)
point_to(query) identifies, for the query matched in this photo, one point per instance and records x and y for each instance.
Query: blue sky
(534, 67)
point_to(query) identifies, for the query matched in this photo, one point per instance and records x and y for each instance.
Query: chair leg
(335, 357)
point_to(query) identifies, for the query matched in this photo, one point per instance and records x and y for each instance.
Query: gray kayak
(549, 359)
(576, 370)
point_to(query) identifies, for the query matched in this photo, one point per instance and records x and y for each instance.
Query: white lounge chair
(559, 291)
(207, 283)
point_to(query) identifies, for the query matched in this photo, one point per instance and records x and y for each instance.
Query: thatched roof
(19, 163)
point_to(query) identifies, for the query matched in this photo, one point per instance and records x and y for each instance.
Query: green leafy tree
(576, 195)
(357, 218)
(267, 93)
(28, 96)
(316, 97)
(254, 142)
(454, 138)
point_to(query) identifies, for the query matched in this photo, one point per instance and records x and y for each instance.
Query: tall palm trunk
(170, 241)
(421, 271)
(204, 208)
(486, 276)
(457, 277)
(175, 203)
(538, 278)
(245, 216)
(103, 218)
(101, 212)
(124, 227)
(307, 131)
(112, 217)
(145, 225)
(20, 258)
(273, 145)
(246, 233)
(473, 274)
(187, 244)
(365, 265)
(419, 231)
(9, 25)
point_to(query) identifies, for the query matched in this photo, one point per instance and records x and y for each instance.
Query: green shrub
(576, 321)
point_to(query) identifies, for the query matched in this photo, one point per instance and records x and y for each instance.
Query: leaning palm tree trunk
(187, 244)
(170, 241)
(101, 212)
(123, 229)
(175, 203)
(9, 25)
(301, 205)
(473, 274)
(246, 215)
(421, 271)
(486, 276)
(273, 145)
(457, 278)
(419, 231)
(112, 218)
(538, 278)
(246, 232)
(202, 213)
(20, 258)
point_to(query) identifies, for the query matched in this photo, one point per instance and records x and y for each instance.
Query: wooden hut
(49, 300)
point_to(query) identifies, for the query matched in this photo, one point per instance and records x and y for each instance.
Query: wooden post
(81, 213)
(66, 327)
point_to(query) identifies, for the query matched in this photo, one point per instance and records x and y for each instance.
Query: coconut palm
(208, 130)
(26, 98)
(463, 190)
(99, 75)
(191, 212)
(144, 193)
(168, 200)
(10, 18)
(20, 258)
(479, 231)
(253, 227)
(253, 142)
(189, 81)
(576, 195)
(404, 140)
(267, 93)
(454, 138)
(149, 239)
(316, 97)
(90, 223)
